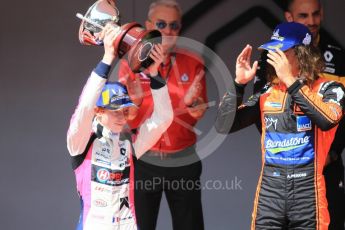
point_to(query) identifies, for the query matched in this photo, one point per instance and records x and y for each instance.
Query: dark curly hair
(287, 4)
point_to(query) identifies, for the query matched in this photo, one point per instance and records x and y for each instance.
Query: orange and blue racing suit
(333, 55)
(298, 127)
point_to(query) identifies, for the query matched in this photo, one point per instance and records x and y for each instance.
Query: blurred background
(43, 69)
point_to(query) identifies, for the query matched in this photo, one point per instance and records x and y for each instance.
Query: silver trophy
(133, 42)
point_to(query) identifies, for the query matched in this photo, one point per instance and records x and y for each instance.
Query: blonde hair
(310, 61)
(167, 3)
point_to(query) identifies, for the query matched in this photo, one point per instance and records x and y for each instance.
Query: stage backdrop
(43, 69)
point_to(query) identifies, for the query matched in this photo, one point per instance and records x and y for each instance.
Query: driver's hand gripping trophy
(133, 41)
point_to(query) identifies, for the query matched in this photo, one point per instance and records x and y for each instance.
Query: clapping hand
(195, 89)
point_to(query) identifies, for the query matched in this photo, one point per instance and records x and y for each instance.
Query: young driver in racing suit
(100, 147)
(311, 14)
(299, 113)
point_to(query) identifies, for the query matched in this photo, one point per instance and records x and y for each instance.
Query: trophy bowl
(133, 42)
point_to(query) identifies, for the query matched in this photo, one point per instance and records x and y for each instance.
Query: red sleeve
(124, 70)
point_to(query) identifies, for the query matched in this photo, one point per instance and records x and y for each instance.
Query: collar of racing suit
(102, 133)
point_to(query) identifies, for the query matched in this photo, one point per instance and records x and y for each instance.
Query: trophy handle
(94, 20)
(136, 43)
(132, 40)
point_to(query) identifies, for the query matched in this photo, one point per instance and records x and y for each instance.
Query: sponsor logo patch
(297, 175)
(289, 149)
(276, 174)
(100, 203)
(103, 175)
(269, 121)
(276, 36)
(287, 144)
(303, 123)
(307, 40)
(273, 104)
(278, 46)
(184, 78)
(328, 56)
(124, 202)
(110, 177)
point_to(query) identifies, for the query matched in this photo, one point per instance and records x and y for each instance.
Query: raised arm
(153, 128)
(324, 108)
(232, 117)
(80, 127)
